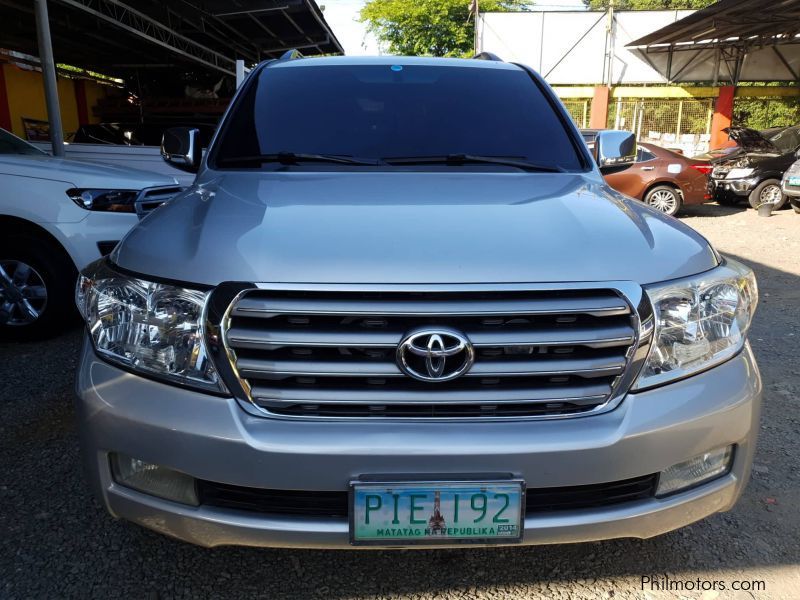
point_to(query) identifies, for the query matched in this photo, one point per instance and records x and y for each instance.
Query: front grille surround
(275, 388)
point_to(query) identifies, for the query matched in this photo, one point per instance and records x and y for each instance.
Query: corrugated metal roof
(730, 18)
(116, 36)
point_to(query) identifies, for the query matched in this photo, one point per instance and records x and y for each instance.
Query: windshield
(378, 112)
(786, 140)
(11, 144)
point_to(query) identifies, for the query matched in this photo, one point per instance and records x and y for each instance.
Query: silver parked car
(385, 315)
(790, 184)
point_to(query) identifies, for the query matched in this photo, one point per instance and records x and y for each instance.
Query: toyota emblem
(435, 354)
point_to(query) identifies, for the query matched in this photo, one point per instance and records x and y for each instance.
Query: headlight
(700, 322)
(739, 173)
(105, 200)
(151, 328)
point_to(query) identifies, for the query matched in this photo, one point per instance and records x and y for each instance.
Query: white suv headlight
(151, 328)
(699, 322)
(739, 173)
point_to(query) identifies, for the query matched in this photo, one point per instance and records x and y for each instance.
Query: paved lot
(55, 541)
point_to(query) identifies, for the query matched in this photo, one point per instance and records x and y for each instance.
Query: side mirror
(613, 149)
(180, 147)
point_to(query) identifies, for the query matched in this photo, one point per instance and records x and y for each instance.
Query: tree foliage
(761, 113)
(649, 4)
(429, 27)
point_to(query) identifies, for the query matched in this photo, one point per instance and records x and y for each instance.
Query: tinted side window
(643, 155)
(381, 111)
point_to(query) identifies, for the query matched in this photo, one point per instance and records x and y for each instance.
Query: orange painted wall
(26, 98)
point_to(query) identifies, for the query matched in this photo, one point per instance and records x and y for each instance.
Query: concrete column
(723, 115)
(599, 114)
(80, 102)
(5, 111)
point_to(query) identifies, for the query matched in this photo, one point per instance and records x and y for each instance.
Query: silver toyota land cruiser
(398, 307)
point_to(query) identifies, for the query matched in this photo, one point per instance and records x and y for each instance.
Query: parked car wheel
(664, 198)
(768, 190)
(36, 288)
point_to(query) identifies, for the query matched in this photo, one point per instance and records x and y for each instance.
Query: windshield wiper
(464, 159)
(293, 158)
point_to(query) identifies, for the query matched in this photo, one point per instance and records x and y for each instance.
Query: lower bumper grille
(335, 504)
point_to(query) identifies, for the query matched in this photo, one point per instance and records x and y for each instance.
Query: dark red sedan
(661, 178)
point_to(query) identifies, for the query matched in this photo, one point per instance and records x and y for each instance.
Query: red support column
(723, 115)
(80, 101)
(598, 118)
(5, 111)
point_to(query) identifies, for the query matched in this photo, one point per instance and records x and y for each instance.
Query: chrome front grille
(151, 198)
(328, 354)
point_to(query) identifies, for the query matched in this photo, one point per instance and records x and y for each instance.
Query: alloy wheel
(663, 200)
(23, 293)
(771, 194)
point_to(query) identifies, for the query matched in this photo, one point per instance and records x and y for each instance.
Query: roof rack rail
(487, 56)
(290, 54)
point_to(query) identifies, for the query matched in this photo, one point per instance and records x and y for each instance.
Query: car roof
(423, 61)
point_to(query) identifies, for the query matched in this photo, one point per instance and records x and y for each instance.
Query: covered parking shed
(164, 38)
(726, 44)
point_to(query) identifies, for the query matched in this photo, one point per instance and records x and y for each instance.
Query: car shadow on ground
(712, 210)
(59, 542)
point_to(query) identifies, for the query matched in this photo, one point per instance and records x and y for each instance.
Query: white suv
(57, 216)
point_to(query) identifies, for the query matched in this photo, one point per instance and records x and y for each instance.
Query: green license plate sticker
(430, 513)
(794, 180)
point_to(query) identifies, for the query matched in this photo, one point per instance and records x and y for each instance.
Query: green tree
(649, 4)
(429, 27)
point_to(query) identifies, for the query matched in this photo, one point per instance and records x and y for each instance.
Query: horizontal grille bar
(600, 337)
(267, 307)
(587, 367)
(353, 395)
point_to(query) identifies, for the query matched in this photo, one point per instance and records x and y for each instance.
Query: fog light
(697, 470)
(153, 479)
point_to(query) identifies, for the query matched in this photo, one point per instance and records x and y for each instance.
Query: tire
(796, 208)
(37, 288)
(769, 188)
(664, 198)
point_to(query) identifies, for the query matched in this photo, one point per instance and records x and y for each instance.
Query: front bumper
(793, 191)
(731, 188)
(212, 438)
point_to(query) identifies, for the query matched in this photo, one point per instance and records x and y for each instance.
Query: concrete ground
(56, 541)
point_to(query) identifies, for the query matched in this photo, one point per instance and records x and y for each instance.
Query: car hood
(750, 140)
(410, 228)
(80, 174)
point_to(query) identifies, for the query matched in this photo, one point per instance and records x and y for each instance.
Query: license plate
(434, 513)
(794, 180)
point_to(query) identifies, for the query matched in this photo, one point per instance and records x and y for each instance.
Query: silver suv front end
(241, 415)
